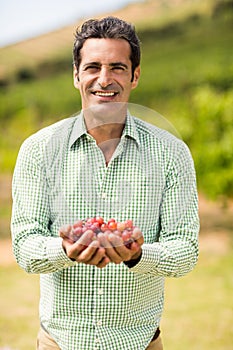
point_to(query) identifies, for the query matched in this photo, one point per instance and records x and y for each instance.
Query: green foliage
(24, 74)
(187, 76)
(27, 107)
(210, 137)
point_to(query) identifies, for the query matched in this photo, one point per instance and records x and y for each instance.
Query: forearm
(36, 248)
(38, 254)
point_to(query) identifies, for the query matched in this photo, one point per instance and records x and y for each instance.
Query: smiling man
(106, 165)
(105, 73)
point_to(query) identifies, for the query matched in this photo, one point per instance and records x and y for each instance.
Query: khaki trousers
(46, 342)
(156, 344)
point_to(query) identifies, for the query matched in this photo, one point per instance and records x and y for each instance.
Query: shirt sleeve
(176, 252)
(35, 248)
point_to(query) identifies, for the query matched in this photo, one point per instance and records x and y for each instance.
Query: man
(102, 294)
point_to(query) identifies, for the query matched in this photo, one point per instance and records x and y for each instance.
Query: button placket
(97, 321)
(100, 294)
(100, 291)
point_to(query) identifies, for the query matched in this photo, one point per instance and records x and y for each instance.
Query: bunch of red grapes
(96, 225)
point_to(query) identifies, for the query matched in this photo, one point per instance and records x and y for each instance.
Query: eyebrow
(98, 64)
(115, 64)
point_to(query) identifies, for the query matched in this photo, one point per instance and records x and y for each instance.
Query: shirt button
(100, 291)
(99, 323)
(104, 195)
(97, 340)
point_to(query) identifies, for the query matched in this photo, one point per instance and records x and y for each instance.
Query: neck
(105, 124)
(107, 138)
(106, 132)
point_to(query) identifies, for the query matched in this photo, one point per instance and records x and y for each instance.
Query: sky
(24, 19)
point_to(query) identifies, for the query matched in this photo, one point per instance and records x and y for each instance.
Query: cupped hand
(117, 251)
(85, 250)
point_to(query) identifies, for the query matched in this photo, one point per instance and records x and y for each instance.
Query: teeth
(105, 94)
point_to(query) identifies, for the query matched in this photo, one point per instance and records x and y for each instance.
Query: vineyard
(187, 79)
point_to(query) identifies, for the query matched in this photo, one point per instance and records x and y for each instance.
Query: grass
(19, 304)
(197, 316)
(199, 306)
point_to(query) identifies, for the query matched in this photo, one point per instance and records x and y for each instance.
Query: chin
(108, 111)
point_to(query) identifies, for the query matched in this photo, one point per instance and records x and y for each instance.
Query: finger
(73, 250)
(115, 240)
(110, 251)
(96, 257)
(103, 239)
(84, 240)
(65, 231)
(137, 235)
(104, 262)
(116, 250)
(134, 247)
(127, 252)
(140, 240)
(87, 254)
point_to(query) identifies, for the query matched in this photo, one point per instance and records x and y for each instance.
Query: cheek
(85, 82)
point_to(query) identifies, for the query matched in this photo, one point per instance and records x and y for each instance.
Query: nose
(104, 78)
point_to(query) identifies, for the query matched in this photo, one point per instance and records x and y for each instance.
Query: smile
(105, 93)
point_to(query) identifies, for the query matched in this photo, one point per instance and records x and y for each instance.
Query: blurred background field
(187, 76)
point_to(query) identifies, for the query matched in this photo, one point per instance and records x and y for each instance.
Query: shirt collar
(130, 129)
(79, 129)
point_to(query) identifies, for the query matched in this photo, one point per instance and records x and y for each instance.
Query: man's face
(105, 72)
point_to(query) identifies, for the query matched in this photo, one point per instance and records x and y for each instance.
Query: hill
(57, 44)
(187, 76)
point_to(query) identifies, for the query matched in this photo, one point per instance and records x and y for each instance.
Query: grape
(100, 220)
(96, 225)
(112, 225)
(129, 223)
(104, 227)
(121, 226)
(78, 223)
(126, 235)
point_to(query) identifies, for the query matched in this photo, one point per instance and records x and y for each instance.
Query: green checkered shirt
(61, 176)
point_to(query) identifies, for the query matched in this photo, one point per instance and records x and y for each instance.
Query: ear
(75, 77)
(136, 77)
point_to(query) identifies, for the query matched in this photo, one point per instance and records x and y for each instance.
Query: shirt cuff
(133, 262)
(56, 253)
(148, 260)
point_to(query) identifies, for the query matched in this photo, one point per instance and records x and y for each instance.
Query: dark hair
(111, 28)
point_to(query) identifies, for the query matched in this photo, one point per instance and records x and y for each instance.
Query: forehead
(109, 50)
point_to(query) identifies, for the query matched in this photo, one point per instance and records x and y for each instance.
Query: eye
(118, 69)
(91, 69)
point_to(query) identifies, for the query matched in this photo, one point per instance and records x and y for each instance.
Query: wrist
(134, 261)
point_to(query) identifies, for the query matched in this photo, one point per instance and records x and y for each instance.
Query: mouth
(105, 93)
